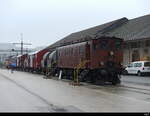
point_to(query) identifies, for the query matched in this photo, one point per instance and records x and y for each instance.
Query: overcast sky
(43, 22)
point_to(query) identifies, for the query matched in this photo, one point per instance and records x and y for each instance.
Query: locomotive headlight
(111, 53)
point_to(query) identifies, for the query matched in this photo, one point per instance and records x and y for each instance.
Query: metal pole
(21, 44)
(129, 52)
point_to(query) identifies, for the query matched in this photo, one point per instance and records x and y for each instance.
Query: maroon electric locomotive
(98, 60)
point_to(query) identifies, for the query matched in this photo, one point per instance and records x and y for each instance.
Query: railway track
(124, 86)
(138, 83)
(136, 90)
(120, 88)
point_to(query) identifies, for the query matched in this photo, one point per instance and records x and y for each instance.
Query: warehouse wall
(141, 51)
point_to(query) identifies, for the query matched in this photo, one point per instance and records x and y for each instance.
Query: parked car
(139, 68)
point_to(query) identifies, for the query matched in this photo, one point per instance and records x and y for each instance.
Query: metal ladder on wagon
(76, 75)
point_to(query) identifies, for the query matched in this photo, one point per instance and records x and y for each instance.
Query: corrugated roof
(137, 28)
(89, 33)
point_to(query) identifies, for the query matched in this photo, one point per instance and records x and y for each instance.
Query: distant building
(6, 50)
(9, 49)
(136, 34)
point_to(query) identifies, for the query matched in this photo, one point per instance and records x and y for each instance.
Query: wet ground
(27, 92)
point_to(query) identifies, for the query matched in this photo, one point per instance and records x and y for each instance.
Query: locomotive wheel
(89, 79)
(99, 80)
(125, 72)
(116, 81)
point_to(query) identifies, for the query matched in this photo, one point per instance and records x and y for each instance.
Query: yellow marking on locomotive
(76, 72)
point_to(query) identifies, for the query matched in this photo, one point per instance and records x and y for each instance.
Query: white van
(138, 67)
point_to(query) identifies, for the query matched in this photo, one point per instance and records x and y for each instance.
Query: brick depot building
(135, 32)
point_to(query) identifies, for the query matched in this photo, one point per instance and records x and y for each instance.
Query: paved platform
(27, 92)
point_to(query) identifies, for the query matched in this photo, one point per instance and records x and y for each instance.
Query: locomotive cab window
(118, 45)
(104, 44)
(95, 46)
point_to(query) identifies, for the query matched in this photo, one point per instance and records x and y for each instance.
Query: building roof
(133, 29)
(89, 33)
(138, 28)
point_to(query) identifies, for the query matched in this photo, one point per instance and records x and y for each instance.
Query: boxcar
(44, 62)
(37, 60)
(21, 61)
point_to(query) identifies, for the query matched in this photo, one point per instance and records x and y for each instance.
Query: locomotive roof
(79, 44)
(31, 53)
(12, 56)
(21, 55)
